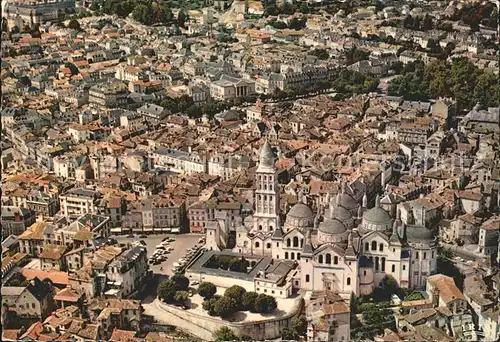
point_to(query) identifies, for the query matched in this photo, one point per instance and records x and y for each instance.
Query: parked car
(193, 283)
(130, 236)
(143, 236)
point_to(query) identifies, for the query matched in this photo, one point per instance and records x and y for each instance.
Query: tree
(209, 306)
(166, 290)
(25, 80)
(432, 46)
(207, 290)
(74, 24)
(181, 297)
(487, 90)
(299, 325)
(427, 23)
(304, 8)
(5, 27)
(143, 14)
(298, 24)
(321, 54)
(181, 19)
(180, 281)
(225, 307)
(225, 334)
(265, 303)
(288, 334)
(249, 299)
(94, 6)
(236, 292)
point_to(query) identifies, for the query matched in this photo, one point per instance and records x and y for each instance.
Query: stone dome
(377, 215)
(332, 226)
(300, 216)
(332, 231)
(348, 202)
(341, 213)
(300, 210)
(416, 233)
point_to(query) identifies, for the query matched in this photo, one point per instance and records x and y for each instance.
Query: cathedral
(346, 248)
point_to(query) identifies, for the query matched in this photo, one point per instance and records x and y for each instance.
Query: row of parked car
(161, 251)
(190, 253)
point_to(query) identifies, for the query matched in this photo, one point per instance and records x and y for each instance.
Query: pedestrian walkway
(163, 317)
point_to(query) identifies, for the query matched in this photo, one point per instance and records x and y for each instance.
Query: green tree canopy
(249, 299)
(288, 334)
(265, 304)
(236, 292)
(181, 297)
(299, 325)
(225, 334)
(207, 290)
(74, 24)
(225, 307)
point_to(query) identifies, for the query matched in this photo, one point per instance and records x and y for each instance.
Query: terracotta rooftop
(55, 277)
(448, 291)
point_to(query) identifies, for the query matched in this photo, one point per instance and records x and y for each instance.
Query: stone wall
(266, 329)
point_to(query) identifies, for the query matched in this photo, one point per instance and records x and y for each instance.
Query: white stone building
(346, 249)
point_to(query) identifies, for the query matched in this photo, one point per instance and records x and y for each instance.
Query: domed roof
(266, 157)
(377, 215)
(419, 233)
(348, 202)
(332, 226)
(300, 210)
(341, 213)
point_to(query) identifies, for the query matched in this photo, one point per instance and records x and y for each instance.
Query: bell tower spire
(266, 217)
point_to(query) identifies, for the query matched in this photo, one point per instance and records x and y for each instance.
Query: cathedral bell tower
(266, 216)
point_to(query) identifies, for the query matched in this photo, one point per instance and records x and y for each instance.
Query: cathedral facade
(346, 247)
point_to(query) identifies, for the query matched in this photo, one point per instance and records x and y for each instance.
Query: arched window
(265, 186)
(288, 242)
(393, 268)
(320, 258)
(292, 256)
(307, 278)
(271, 228)
(374, 245)
(381, 247)
(260, 227)
(286, 255)
(257, 244)
(336, 260)
(295, 242)
(268, 246)
(298, 256)
(367, 246)
(348, 282)
(383, 264)
(376, 263)
(301, 243)
(328, 259)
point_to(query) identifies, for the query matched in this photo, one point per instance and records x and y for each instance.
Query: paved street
(181, 243)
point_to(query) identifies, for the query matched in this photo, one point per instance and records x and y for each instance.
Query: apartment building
(15, 220)
(152, 113)
(156, 215)
(178, 161)
(79, 201)
(110, 95)
(127, 272)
